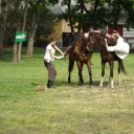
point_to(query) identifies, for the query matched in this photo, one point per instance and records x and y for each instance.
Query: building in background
(128, 35)
(62, 27)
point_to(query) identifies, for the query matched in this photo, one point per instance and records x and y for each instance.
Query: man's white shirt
(121, 49)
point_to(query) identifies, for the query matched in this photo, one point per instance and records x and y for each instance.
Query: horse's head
(96, 38)
(90, 44)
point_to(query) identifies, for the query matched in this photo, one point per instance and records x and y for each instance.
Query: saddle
(78, 45)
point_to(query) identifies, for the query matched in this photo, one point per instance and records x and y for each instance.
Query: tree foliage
(98, 15)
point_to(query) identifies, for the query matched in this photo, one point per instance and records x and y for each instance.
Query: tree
(97, 16)
(32, 29)
(17, 54)
(3, 20)
(128, 5)
(81, 14)
(39, 16)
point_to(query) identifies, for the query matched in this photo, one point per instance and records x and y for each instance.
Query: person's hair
(52, 39)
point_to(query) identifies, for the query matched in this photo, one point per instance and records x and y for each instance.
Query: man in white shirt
(121, 49)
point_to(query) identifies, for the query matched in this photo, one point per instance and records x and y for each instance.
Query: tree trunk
(80, 27)
(23, 28)
(32, 33)
(15, 47)
(3, 22)
(1, 38)
(69, 16)
(117, 13)
(12, 22)
(94, 12)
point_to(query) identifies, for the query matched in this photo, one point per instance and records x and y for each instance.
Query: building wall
(59, 28)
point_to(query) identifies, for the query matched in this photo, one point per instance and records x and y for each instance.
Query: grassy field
(66, 109)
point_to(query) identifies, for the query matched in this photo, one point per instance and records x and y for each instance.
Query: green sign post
(20, 36)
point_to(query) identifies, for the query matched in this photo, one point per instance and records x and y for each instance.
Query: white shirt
(121, 49)
(47, 55)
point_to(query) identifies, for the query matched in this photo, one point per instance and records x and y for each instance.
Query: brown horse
(81, 56)
(109, 57)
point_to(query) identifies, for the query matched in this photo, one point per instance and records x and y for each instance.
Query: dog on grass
(41, 88)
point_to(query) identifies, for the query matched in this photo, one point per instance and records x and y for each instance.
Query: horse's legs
(80, 65)
(111, 73)
(70, 67)
(119, 70)
(90, 73)
(102, 73)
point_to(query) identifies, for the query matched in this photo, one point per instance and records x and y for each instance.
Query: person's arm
(111, 48)
(53, 56)
(59, 50)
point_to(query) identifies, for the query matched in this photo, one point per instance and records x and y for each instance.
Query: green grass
(66, 109)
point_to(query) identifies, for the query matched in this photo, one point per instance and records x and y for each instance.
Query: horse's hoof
(119, 83)
(91, 86)
(83, 83)
(112, 86)
(69, 82)
(79, 85)
(101, 85)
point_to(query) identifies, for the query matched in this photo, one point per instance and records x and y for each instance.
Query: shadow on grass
(65, 83)
(7, 58)
(35, 84)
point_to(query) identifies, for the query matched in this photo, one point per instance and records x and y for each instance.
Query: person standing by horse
(49, 58)
(121, 48)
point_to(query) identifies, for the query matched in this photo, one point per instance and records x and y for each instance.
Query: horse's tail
(123, 69)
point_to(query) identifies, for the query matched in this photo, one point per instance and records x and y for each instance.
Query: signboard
(20, 36)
